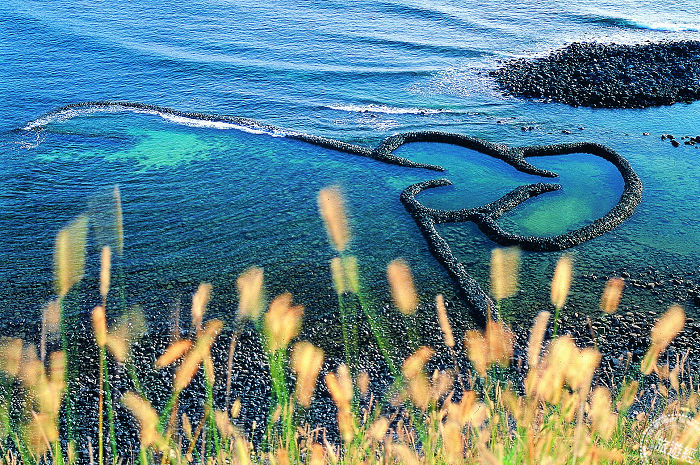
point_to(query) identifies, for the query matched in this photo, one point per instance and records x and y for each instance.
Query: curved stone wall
(485, 217)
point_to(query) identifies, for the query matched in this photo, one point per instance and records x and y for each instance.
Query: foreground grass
(560, 415)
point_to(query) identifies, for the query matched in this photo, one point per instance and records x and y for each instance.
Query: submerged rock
(608, 75)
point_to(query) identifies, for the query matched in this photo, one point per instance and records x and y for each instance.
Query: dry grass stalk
(402, 289)
(118, 220)
(282, 322)
(444, 321)
(663, 332)
(561, 281)
(612, 295)
(536, 337)
(363, 382)
(11, 356)
(351, 273)
(197, 355)
(200, 299)
(306, 362)
(492, 346)
(99, 325)
(338, 275)
(504, 272)
(147, 418)
(69, 255)
(330, 204)
(250, 293)
(174, 352)
(130, 327)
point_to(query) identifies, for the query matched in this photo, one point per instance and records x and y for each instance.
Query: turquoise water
(203, 201)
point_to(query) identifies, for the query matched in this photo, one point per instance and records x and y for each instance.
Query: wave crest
(182, 118)
(641, 23)
(373, 108)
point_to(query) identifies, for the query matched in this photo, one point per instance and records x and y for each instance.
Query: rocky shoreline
(608, 75)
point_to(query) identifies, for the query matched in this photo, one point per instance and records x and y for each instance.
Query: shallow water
(204, 201)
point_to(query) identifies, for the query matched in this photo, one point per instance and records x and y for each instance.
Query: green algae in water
(203, 204)
(477, 178)
(591, 186)
(159, 149)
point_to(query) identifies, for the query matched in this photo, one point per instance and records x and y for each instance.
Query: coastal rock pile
(608, 75)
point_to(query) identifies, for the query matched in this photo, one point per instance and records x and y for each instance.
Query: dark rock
(675, 143)
(608, 75)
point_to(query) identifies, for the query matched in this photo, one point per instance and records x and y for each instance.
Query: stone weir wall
(485, 216)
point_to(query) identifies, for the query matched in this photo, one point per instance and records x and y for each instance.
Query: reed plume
(69, 255)
(560, 288)
(444, 321)
(351, 273)
(282, 322)
(147, 418)
(663, 332)
(250, 293)
(105, 272)
(200, 299)
(504, 272)
(612, 295)
(340, 387)
(306, 362)
(492, 346)
(536, 337)
(129, 328)
(561, 281)
(330, 204)
(99, 325)
(338, 275)
(196, 355)
(402, 290)
(11, 356)
(174, 352)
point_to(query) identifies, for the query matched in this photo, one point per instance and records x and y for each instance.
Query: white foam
(665, 26)
(371, 108)
(203, 123)
(75, 112)
(70, 113)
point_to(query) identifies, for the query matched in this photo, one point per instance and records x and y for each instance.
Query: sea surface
(203, 201)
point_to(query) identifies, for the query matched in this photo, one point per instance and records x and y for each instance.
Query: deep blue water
(202, 202)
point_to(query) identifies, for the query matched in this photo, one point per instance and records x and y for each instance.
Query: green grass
(559, 415)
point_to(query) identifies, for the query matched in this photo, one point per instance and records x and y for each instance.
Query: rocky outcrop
(608, 75)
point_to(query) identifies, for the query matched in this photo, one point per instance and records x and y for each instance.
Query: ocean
(204, 200)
